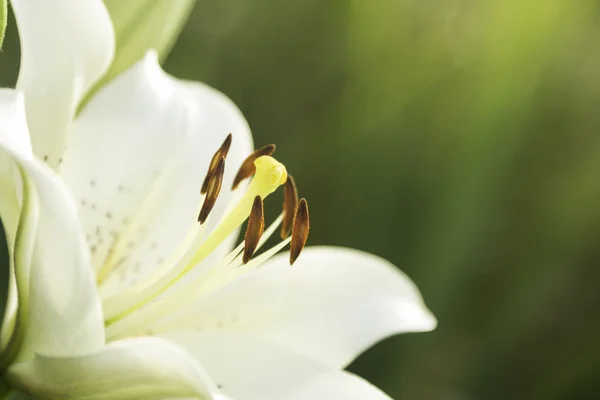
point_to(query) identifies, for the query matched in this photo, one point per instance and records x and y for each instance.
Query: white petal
(144, 368)
(13, 135)
(248, 368)
(66, 45)
(64, 308)
(331, 305)
(338, 385)
(136, 161)
(13, 130)
(64, 312)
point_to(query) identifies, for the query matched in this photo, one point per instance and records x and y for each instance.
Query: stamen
(256, 226)
(299, 230)
(270, 174)
(290, 201)
(212, 191)
(194, 289)
(248, 168)
(220, 153)
(261, 259)
(150, 300)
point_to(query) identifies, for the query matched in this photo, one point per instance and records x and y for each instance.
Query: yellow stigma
(270, 174)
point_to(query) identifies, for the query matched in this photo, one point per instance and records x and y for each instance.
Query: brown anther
(290, 201)
(212, 191)
(299, 230)
(248, 169)
(221, 153)
(256, 227)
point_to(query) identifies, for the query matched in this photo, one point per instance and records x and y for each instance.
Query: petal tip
(416, 317)
(148, 70)
(429, 321)
(151, 56)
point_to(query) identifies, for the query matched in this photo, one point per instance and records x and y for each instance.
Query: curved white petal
(136, 162)
(13, 127)
(331, 305)
(64, 308)
(66, 46)
(64, 312)
(338, 385)
(248, 368)
(14, 136)
(144, 368)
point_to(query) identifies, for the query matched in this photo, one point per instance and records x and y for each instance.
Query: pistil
(149, 303)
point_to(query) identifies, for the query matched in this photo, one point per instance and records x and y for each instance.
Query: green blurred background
(459, 139)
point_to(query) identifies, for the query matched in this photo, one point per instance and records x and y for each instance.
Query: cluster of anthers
(295, 212)
(147, 302)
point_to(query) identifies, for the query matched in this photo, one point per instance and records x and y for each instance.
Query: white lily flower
(127, 282)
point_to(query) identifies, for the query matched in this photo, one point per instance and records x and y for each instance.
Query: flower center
(159, 295)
